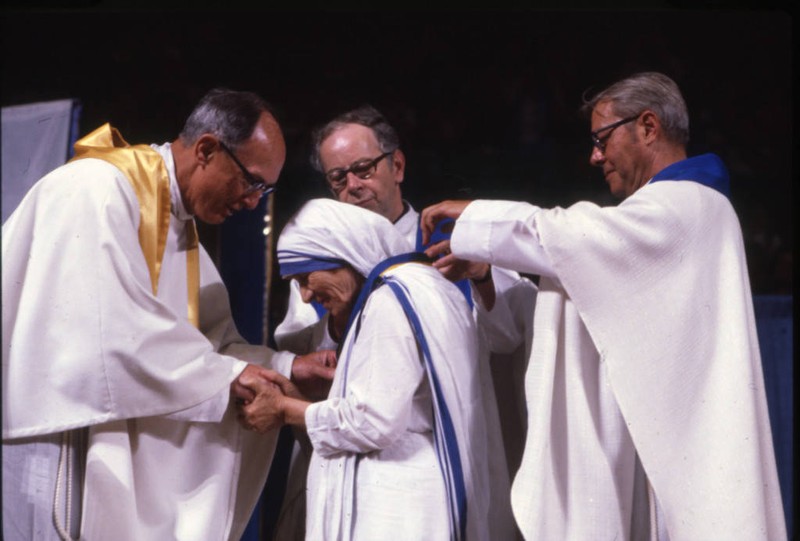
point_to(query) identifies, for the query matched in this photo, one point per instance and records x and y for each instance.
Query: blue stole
(445, 440)
(437, 236)
(706, 169)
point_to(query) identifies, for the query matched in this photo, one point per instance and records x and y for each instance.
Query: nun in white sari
(399, 444)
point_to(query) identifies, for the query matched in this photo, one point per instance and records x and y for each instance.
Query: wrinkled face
(620, 153)
(220, 187)
(334, 289)
(355, 145)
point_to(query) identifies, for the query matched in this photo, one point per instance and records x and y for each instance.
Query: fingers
(433, 214)
(427, 221)
(305, 366)
(325, 357)
(324, 372)
(241, 394)
(442, 248)
(264, 412)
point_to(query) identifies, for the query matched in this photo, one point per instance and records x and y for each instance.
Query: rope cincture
(64, 463)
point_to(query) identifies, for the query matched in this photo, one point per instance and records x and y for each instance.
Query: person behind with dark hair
(647, 413)
(120, 356)
(360, 156)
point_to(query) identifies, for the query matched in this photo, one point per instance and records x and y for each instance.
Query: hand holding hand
(265, 411)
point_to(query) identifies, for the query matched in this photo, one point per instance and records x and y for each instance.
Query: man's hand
(312, 373)
(453, 268)
(431, 215)
(240, 392)
(243, 388)
(265, 411)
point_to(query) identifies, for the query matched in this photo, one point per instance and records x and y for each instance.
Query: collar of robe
(706, 169)
(374, 280)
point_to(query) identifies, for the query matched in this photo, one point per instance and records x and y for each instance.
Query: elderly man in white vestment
(360, 156)
(647, 415)
(399, 445)
(119, 352)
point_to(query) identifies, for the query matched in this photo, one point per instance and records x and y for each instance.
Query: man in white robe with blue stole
(119, 353)
(647, 415)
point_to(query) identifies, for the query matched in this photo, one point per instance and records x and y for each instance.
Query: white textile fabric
(374, 472)
(646, 352)
(87, 344)
(302, 331)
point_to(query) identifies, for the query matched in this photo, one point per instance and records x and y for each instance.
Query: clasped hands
(261, 395)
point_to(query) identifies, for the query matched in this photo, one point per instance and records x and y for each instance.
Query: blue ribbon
(439, 235)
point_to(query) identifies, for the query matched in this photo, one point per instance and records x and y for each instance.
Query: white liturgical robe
(86, 343)
(645, 361)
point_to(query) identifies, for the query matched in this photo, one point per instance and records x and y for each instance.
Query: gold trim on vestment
(146, 171)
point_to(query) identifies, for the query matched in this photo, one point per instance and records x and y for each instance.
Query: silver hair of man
(647, 91)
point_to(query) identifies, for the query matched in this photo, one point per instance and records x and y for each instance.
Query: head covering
(326, 234)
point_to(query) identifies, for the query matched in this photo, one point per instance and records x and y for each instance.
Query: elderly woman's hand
(312, 374)
(265, 411)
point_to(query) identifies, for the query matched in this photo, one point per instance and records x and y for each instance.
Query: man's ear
(205, 147)
(398, 165)
(651, 125)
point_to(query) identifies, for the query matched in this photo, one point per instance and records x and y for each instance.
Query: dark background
(485, 101)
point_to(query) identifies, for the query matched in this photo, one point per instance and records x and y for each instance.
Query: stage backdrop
(37, 138)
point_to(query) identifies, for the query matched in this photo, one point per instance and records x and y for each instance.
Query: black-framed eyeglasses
(600, 142)
(253, 183)
(363, 169)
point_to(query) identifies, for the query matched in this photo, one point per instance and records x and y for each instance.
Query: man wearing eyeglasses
(647, 411)
(120, 356)
(359, 155)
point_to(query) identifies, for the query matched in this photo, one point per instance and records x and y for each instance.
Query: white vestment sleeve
(502, 326)
(501, 233)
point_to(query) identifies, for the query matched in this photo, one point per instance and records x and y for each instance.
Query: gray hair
(647, 90)
(228, 114)
(366, 115)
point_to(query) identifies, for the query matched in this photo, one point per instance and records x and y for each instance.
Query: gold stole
(147, 173)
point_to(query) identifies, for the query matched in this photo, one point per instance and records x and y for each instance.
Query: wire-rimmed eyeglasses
(253, 183)
(600, 142)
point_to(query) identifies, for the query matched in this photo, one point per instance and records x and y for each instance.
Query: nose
(354, 182)
(597, 157)
(251, 199)
(305, 293)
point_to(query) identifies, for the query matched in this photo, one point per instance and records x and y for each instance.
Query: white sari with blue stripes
(399, 445)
